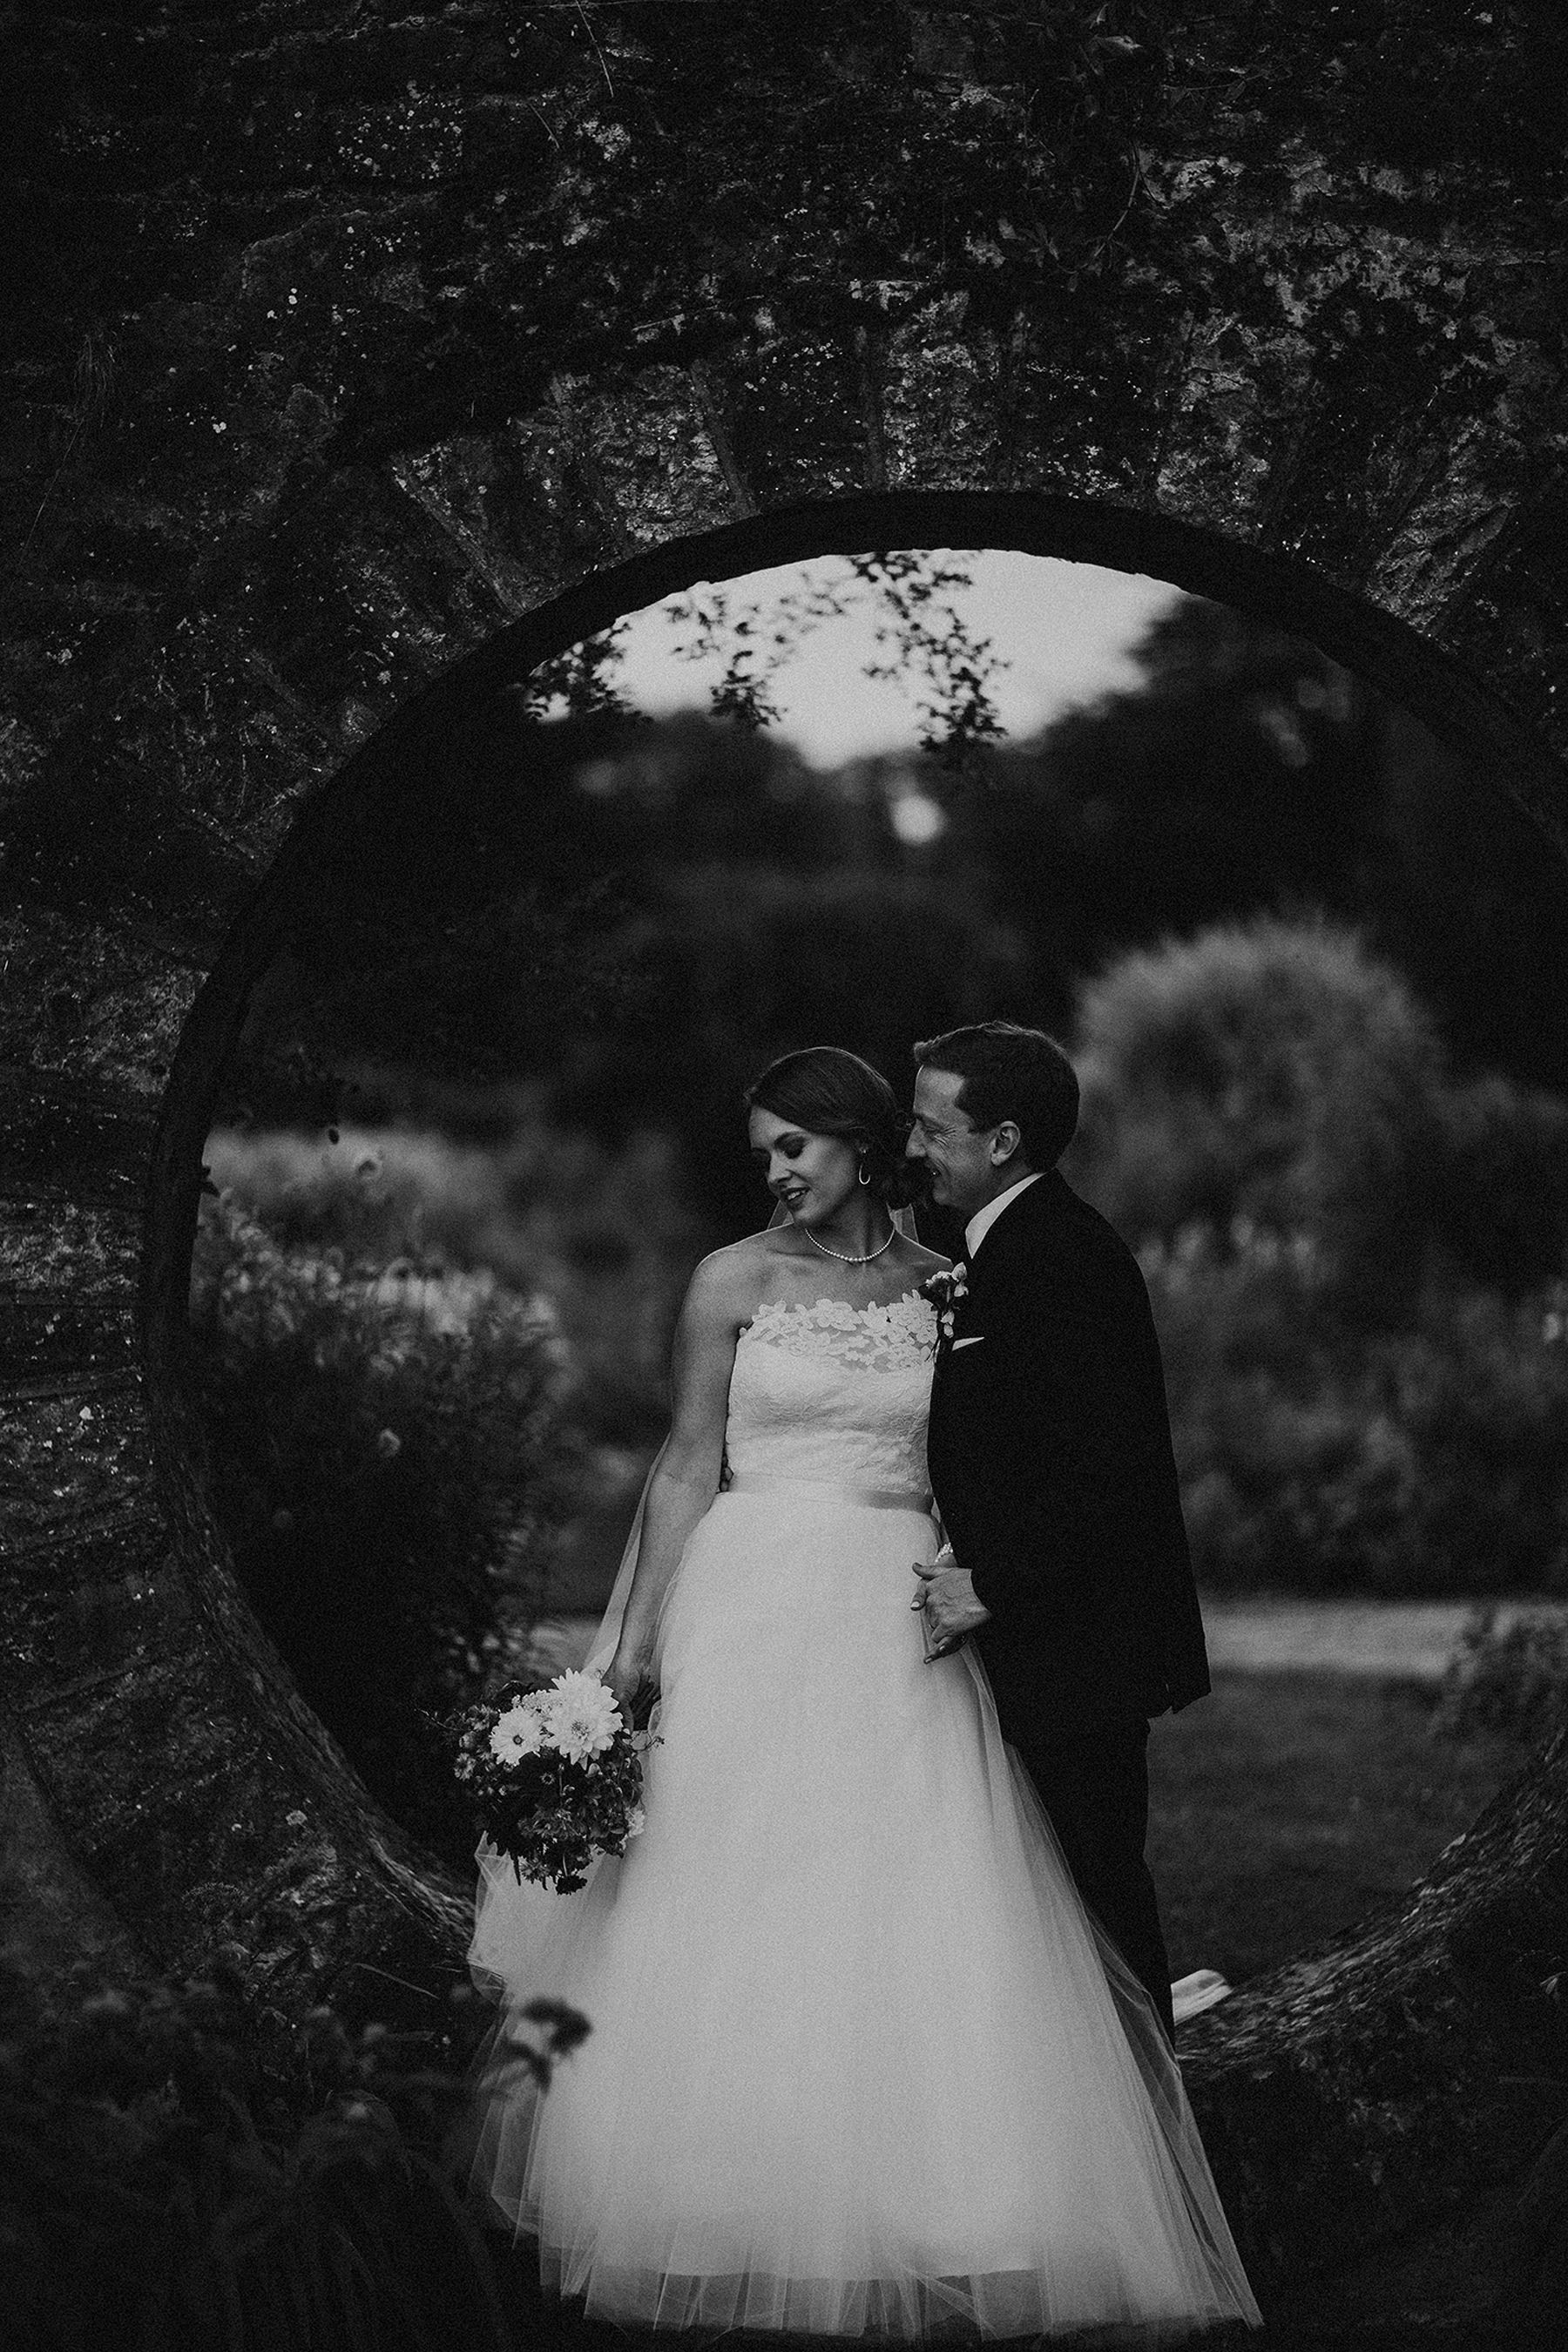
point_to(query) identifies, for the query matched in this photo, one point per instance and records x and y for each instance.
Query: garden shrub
(375, 1193)
(176, 2183)
(1272, 1072)
(1500, 1206)
(1318, 1458)
(1481, 1385)
(390, 1454)
(1354, 1263)
(1511, 1678)
(604, 1232)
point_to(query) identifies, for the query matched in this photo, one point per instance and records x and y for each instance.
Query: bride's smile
(822, 1182)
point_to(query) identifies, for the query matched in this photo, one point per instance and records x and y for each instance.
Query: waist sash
(874, 1498)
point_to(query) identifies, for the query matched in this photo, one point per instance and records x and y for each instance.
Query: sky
(1064, 630)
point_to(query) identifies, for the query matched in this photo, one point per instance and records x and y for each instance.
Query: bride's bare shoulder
(928, 1261)
(729, 1281)
(758, 1253)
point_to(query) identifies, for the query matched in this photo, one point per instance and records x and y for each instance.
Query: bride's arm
(719, 1301)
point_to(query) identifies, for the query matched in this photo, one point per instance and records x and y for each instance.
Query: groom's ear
(1005, 1138)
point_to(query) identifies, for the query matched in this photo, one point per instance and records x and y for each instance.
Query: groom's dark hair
(1013, 1072)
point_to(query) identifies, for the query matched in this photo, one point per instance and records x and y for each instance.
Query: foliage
(477, 994)
(753, 964)
(1318, 1458)
(1279, 1075)
(1272, 1074)
(614, 924)
(737, 904)
(1501, 1183)
(176, 2184)
(387, 1445)
(581, 682)
(487, 927)
(918, 629)
(601, 1230)
(1241, 776)
(1506, 1677)
(1354, 1264)
(1244, 774)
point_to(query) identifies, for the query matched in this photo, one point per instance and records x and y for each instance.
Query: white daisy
(519, 1732)
(581, 1715)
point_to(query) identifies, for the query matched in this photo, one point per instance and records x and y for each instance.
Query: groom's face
(960, 1158)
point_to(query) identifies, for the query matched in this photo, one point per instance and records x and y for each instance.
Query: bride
(860, 2061)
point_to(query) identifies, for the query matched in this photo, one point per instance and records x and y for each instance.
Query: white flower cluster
(448, 1301)
(577, 1716)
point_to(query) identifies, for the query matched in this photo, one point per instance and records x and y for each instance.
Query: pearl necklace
(841, 1255)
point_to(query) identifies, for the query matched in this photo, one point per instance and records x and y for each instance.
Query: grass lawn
(1286, 1805)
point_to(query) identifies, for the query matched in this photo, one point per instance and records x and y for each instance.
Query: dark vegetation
(1313, 992)
(1289, 1805)
(636, 913)
(1369, 1381)
(181, 2179)
(1506, 1681)
(391, 1455)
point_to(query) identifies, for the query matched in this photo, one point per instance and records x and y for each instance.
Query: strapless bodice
(834, 1393)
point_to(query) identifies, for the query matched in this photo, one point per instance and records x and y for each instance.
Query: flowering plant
(555, 1774)
(944, 1290)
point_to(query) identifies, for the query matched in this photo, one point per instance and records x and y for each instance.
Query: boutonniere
(943, 1292)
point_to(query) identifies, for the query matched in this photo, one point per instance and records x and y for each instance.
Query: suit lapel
(1017, 1231)
(1004, 1255)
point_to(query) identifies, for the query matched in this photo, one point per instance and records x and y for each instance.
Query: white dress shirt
(980, 1225)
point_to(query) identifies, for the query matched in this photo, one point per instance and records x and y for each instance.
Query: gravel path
(1410, 1640)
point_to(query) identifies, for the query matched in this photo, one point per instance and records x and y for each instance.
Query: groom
(1049, 1452)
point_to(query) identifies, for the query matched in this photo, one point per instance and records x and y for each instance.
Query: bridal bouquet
(555, 1775)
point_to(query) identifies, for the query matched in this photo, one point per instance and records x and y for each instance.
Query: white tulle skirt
(860, 2063)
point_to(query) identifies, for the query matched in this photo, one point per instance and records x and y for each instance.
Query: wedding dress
(860, 2062)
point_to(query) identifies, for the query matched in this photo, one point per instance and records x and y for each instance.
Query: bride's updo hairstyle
(828, 1090)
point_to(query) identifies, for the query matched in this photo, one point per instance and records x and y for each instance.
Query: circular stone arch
(354, 352)
(1361, 2078)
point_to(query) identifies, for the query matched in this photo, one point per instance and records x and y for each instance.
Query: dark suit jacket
(1049, 1450)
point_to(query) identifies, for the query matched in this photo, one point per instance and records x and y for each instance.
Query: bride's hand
(629, 1675)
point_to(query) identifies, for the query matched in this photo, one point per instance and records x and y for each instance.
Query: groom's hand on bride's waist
(948, 1600)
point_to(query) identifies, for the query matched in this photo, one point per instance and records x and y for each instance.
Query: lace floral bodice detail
(833, 1392)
